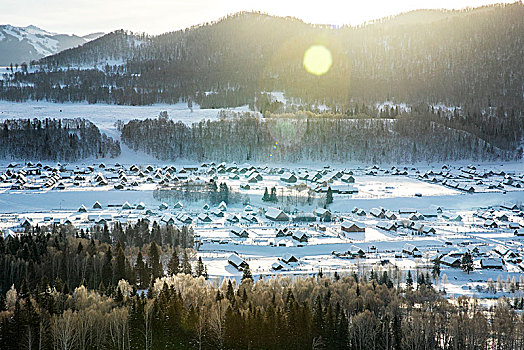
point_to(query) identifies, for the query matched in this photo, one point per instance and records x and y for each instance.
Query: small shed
(288, 178)
(300, 236)
(450, 261)
(490, 224)
(409, 249)
(289, 258)
(277, 266)
(348, 179)
(304, 217)
(237, 262)
(387, 226)
(203, 217)
(350, 226)
(240, 232)
(492, 263)
(378, 213)
(232, 219)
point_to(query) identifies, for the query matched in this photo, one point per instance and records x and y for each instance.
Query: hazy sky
(158, 16)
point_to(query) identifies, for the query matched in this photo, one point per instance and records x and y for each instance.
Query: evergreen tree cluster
(142, 233)
(54, 139)
(270, 197)
(186, 312)
(65, 257)
(60, 290)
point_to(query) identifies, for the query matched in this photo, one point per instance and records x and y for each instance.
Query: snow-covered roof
(236, 260)
(274, 213)
(449, 260)
(349, 224)
(408, 247)
(491, 263)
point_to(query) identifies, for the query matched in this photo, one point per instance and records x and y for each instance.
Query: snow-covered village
(461, 225)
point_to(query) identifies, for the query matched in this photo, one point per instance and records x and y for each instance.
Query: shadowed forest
(67, 289)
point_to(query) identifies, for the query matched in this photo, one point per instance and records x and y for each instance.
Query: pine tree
(80, 248)
(436, 269)
(156, 234)
(318, 317)
(141, 271)
(105, 235)
(119, 271)
(397, 333)
(213, 189)
(230, 293)
(329, 196)
(224, 193)
(409, 281)
(428, 280)
(157, 271)
(107, 268)
(246, 275)
(467, 263)
(343, 332)
(186, 264)
(421, 279)
(273, 196)
(200, 267)
(173, 267)
(265, 198)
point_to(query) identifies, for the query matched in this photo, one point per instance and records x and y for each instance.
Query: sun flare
(317, 60)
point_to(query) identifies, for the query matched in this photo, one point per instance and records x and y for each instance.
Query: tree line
(66, 257)
(290, 139)
(65, 288)
(496, 125)
(181, 311)
(54, 139)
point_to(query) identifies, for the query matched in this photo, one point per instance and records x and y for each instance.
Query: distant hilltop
(24, 44)
(451, 57)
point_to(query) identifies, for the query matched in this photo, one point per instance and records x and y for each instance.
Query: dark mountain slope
(453, 57)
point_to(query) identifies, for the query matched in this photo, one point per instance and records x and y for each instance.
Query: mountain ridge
(435, 57)
(25, 44)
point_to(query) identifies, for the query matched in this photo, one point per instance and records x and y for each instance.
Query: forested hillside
(63, 290)
(54, 139)
(453, 57)
(288, 138)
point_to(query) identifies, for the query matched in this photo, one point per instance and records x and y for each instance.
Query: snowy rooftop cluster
(276, 219)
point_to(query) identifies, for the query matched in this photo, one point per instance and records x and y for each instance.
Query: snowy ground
(261, 249)
(389, 186)
(102, 115)
(216, 242)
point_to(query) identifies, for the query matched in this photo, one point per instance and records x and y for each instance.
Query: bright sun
(317, 60)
